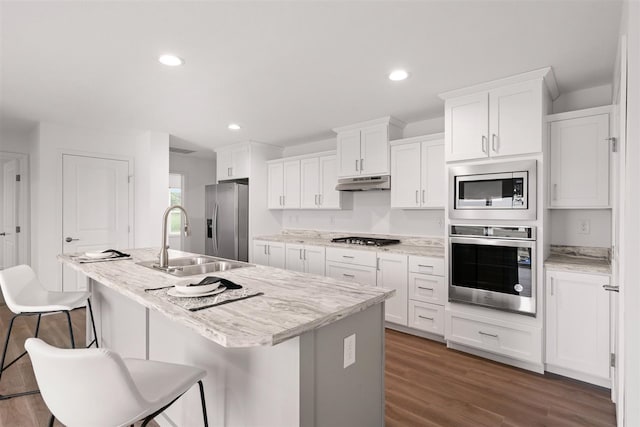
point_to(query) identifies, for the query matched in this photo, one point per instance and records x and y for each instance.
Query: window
(175, 198)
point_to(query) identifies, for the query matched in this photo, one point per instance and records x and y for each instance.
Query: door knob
(3, 234)
(70, 239)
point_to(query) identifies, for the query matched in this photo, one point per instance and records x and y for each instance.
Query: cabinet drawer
(507, 339)
(352, 256)
(352, 273)
(426, 265)
(426, 288)
(426, 317)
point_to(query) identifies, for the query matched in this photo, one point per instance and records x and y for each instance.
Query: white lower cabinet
(305, 258)
(515, 340)
(578, 326)
(269, 253)
(426, 317)
(392, 274)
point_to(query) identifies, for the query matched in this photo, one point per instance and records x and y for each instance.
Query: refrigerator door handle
(215, 228)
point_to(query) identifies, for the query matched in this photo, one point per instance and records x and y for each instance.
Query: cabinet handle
(488, 334)
(283, 200)
(552, 287)
(427, 289)
(300, 255)
(361, 164)
(265, 249)
(268, 249)
(348, 275)
(68, 239)
(347, 256)
(423, 191)
(611, 288)
(357, 165)
(231, 170)
(425, 266)
(315, 199)
(228, 171)
(304, 254)
(417, 197)
(484, 144)
(425, 317)
(555, 191)
(494, 146)
(320, 199)
(377, 264)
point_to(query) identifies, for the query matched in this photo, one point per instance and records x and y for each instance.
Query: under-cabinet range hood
(364, 183)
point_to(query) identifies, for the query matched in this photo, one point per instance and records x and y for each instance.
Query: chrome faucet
(164, 251)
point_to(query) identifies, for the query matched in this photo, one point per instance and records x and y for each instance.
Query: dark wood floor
(426, 385)
(430, 385)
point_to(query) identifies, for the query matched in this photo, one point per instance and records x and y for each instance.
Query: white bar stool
(25, 296)
(96, 387)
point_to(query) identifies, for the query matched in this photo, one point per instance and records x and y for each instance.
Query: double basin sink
(191, 266)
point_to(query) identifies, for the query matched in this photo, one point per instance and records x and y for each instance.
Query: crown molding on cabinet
(381, 121)
(304, 156)
(543, 73)
(247, 143)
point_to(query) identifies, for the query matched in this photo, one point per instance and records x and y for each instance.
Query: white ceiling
(288, 72)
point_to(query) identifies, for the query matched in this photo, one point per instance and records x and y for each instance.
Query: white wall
(149, 152)
(565, 227)
(197, 172)
(584, 98)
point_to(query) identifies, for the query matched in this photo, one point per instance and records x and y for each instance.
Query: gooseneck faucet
(164, 251)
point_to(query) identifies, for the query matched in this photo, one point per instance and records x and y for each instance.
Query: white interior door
(95, 209)
(9, 214)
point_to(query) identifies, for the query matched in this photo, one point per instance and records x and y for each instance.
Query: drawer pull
(425, 266)
(348, 275)
(488, 334)
(426, 289)
(425, 317)
(347, 256)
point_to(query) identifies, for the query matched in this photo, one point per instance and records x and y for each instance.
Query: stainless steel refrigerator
(227, 218)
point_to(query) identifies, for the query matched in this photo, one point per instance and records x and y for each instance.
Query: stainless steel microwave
(504, 190)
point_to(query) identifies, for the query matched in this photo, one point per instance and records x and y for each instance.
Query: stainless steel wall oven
(493, 266)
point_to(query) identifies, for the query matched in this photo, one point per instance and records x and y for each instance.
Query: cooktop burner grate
(366, 241)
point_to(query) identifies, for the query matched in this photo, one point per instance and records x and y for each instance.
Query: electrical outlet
(584, 226)
(349, 350)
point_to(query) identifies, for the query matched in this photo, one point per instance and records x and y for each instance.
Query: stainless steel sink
(191, 266)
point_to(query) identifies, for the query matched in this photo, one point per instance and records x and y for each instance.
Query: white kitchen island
(271, 360)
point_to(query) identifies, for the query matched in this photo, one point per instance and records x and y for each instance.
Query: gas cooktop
(366, 241)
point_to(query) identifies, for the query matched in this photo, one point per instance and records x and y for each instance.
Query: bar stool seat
(96, 387)
(25, 296)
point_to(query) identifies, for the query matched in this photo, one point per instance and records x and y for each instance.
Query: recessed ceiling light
(398, 75)
(170, 60)
(234, 126)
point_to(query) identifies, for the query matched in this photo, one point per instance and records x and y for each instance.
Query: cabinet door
(580, 162)
(515, 118)
(240, 162)
(292, 184)
(329, 197)
(433, 175)
(314, 257)
(578, 322)
(260, 254)
(309, 183)
(351, 273)
(374, 146)
(349, 153)
(223, 164)
(466, 123)
(405, 176)
(275, 183)
(294, 257)
(392, 274)
(276, 255)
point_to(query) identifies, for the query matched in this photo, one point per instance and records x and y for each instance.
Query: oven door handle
(483, 241)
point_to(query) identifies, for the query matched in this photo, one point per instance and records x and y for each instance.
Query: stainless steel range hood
(365, 183)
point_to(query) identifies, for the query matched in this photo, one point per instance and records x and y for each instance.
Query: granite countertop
(293, 303)
(419, 246)
(579, 259)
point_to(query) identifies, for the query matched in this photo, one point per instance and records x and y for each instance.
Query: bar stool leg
(204, 405)
(38, 325)
(6, 345)
(73, 342)
(93, 324)
(51, 420)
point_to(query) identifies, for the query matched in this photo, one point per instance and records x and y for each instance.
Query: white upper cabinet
(304, 183)
(275, 190)
(363, 148)
(499, 118)
(578, 326)
(466, 123)
(233, 162)
(417, 172)
(579, 160)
